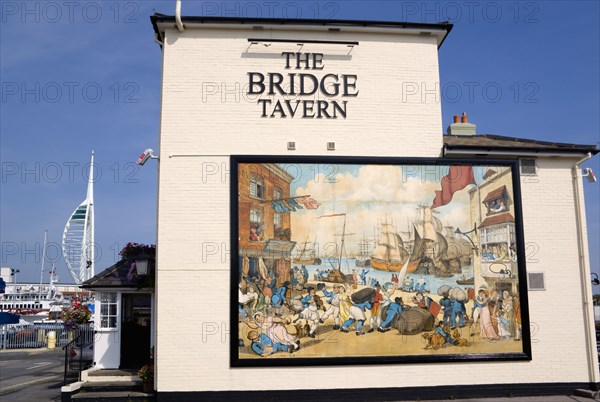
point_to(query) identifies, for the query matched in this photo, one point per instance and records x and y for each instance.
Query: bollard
(51, 340)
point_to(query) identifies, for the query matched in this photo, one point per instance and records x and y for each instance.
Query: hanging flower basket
(76, 316)
(131, 250)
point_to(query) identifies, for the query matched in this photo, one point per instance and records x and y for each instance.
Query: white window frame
(116, 303)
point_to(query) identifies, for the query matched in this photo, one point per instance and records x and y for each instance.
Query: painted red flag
(458, 177)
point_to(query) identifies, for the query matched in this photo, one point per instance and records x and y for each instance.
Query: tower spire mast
(78, 236)
(90, 224)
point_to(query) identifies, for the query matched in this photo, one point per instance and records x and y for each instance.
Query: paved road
(37, 375)
(31, 375)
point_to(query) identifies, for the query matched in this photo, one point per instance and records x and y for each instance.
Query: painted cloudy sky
(371, 195)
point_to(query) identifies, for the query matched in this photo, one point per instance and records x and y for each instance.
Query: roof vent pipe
(178, 16)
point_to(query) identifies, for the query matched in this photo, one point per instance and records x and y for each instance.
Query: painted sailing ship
(362, 259)
(430, 251)
(459, 250)
(307, 253)
(389, 253)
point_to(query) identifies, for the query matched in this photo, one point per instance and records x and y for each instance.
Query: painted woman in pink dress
(485, 323)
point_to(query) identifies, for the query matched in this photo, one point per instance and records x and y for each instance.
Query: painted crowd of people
(270, 309)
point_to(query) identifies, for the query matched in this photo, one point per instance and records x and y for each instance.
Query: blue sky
(86, 75)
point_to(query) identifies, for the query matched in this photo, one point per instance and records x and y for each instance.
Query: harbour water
(432, 282)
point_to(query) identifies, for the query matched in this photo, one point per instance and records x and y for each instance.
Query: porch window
(108, 310)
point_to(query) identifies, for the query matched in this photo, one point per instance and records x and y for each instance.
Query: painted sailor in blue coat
(394, 308)
(306, 299)
(305, 273)
(278, 297)
(458, 309)
(363, 276)
(310, 311)
(357, 313)
(447, 305)
(262, 345)
(439, 329)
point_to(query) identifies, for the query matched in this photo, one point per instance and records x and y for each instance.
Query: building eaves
(490, 142)
(159, 18)
(114, 276)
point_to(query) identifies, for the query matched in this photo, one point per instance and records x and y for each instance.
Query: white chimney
(461, 126)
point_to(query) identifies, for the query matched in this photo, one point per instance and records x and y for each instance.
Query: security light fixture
(595, 281)
(147, 154)
(589, 174)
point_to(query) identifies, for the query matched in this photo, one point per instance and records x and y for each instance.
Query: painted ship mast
(337, 275)
(362, 260)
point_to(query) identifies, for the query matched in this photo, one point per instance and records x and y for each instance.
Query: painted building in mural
(356, 89)
(264, 221)
(493, 213)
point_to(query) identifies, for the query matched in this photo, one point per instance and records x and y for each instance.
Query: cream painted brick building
(207, 115)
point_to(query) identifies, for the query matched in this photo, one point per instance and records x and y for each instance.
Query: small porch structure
(124, 318)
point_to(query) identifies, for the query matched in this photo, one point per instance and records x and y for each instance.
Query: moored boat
(307, 253)
(466, 281)
(389, 255)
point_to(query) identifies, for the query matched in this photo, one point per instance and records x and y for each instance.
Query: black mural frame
(234, 358)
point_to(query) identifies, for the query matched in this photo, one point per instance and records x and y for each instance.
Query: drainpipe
(584, 270)
(178, 15)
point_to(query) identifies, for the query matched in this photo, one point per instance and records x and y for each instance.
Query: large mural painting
(376, 261)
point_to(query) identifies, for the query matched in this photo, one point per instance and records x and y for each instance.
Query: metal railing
(18, 336)
(79, 354)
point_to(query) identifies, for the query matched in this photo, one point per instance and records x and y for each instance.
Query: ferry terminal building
(327, 88)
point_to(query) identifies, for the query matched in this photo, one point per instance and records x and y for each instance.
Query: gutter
(178, 21)
(514, 152)
(584, 270)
